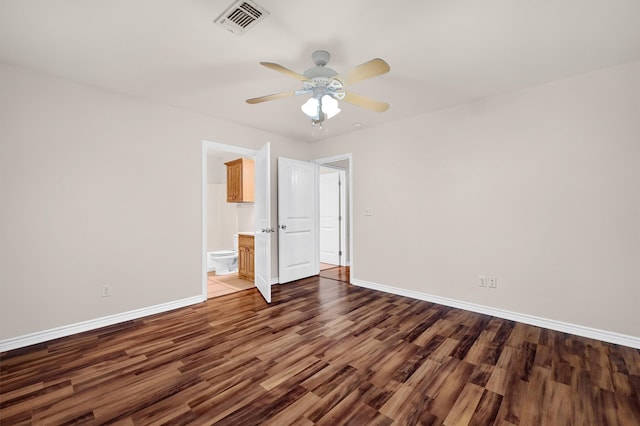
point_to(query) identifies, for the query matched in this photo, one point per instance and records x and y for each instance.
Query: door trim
(349, 158)
(206, 146)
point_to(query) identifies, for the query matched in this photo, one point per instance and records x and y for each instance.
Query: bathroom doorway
(222, 222)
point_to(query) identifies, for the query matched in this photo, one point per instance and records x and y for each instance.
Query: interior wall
(538, 188)
(99, 188)
(222, 218)
(245, 213)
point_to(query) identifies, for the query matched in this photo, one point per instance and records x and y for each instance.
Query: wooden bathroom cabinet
(240, 187)
(245, 257)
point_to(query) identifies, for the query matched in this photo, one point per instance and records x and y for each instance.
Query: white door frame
(349, 158)
(206, 146)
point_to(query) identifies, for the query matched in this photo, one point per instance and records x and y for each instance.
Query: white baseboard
(275, 280)
(578, 330)
(67, 330)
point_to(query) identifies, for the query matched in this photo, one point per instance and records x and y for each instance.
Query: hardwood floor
(324, 353)
(340, 273)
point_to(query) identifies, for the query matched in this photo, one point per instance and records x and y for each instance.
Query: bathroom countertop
(251, 234)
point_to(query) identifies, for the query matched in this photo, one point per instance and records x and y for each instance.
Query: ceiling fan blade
(270, 97)
(287, 71)
(369, 69)
(363, 101)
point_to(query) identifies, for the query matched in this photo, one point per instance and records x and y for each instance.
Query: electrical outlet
(368, 212)
(106, 290)
(482, 282)
(493, 282)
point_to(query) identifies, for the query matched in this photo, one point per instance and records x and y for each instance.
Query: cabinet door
(245, 257)
(234, 182)
(242, 261)
(240, 181)
(250, 263)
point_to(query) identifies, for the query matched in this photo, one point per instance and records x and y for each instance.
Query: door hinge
(339, 217)
(340, 253)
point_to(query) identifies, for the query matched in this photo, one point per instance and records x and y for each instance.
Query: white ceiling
(441, 53)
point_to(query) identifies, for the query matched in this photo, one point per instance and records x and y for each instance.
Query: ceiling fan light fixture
(326, 87)
(310, 108)
(330, 106)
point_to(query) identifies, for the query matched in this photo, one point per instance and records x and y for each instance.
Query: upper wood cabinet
(240, 175)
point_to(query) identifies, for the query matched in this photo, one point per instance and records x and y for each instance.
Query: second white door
(297, 220)
(331, 233)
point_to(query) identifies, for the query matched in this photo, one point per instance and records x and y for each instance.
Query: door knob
(283, 226)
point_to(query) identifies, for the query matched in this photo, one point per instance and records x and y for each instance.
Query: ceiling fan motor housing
(320, 57)
(320, 74)
(324, 73)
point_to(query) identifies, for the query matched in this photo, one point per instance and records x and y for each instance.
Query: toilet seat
(222, 253)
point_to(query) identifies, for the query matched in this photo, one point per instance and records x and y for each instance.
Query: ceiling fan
(326, 86)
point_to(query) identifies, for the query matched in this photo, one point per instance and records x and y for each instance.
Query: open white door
(263, 230)
(330, 216)
(297, 217)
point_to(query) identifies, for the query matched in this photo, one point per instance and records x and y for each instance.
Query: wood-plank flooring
(336, 273)
(323, 353)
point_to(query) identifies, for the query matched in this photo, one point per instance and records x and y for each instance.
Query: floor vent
(241, 16)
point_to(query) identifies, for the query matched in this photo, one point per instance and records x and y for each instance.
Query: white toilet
(224, 262)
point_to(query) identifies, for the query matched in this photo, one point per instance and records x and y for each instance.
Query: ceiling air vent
(241, 16)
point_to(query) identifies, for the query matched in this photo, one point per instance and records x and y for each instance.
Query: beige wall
(538, 187)
(99, 188)
(246, 216)
(222, 218)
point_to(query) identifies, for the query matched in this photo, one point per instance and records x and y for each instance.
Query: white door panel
(330, 218)
(297, 217)
(262, 238)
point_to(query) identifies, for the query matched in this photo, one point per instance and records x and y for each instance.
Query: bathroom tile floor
(219, 285)
(325, 266)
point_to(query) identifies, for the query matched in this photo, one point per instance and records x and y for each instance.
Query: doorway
(331, 216)
(222, 221)
(298, 216)
(343, 164)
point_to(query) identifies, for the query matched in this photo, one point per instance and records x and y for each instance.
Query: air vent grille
(241, 16)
